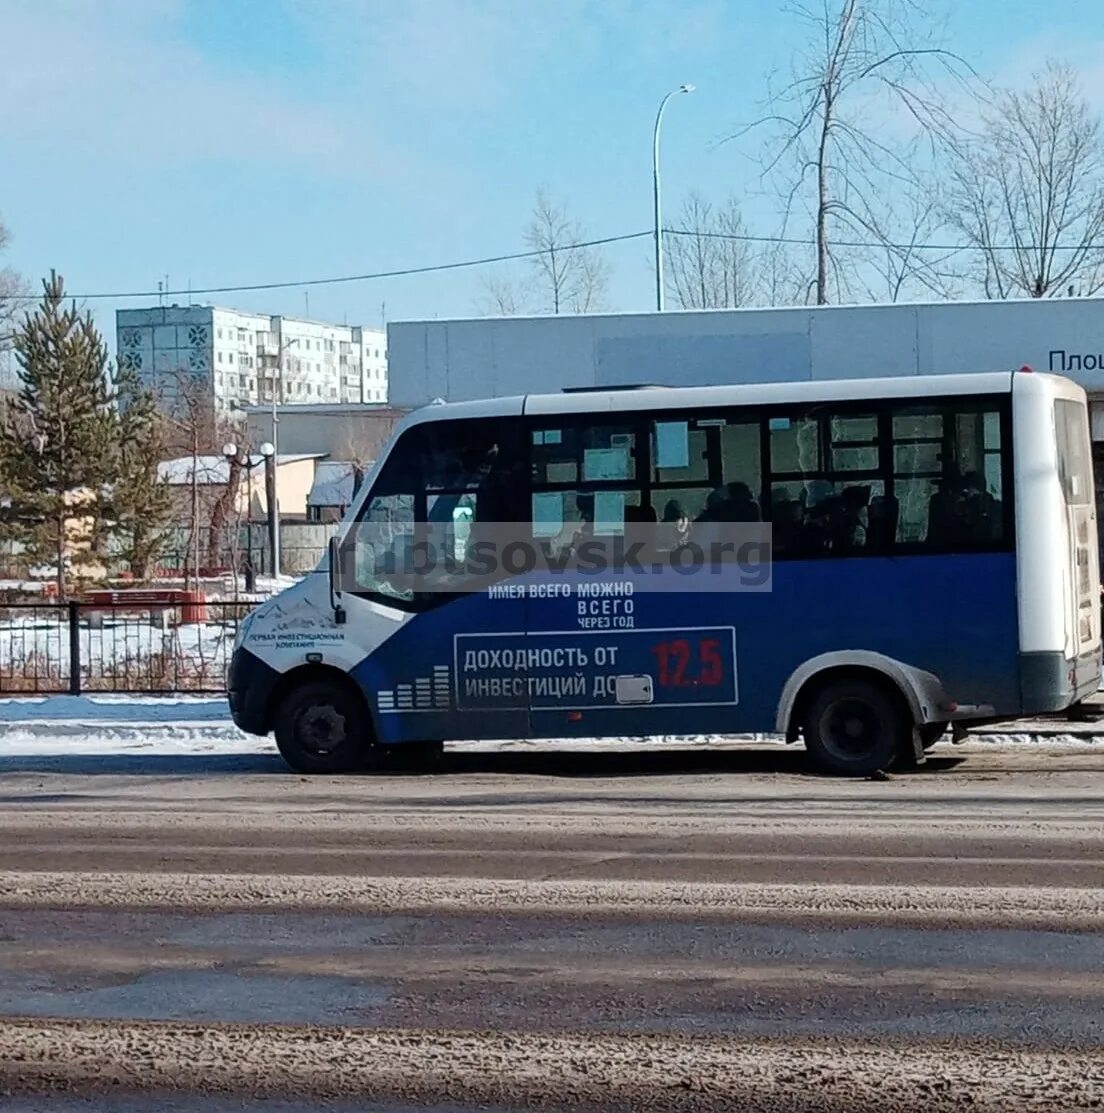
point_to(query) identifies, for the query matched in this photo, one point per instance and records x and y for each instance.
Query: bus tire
(930, 733)
(854, 727)
(322, 727)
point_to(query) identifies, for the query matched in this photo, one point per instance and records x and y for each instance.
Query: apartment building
(241, 359)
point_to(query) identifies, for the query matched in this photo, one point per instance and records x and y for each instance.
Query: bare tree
(502, 296)
(567, 278)
(710, 263)
(197, 432)
(13, 291)
(1028, 193)
(863, 56)
(908, 266)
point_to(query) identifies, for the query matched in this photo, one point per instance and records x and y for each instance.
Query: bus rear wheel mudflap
(323, 726)
(930, 733)
(855, 726)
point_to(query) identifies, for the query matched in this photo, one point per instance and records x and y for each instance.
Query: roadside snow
(181, 725)
(147, 710)
(114, 725)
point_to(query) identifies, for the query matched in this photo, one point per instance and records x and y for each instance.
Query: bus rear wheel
(322, 727)
(854, 728)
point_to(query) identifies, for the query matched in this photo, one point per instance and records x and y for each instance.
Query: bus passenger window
(827, 484)
(706, 476)
(584, 486)
(948, 477)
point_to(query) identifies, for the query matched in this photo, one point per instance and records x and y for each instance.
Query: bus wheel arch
(859, 713)
(310, 703)
(920, 692)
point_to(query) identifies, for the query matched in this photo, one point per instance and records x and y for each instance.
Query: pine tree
(57, 446)
(139, 501)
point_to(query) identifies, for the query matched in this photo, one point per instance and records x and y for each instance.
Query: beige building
(294, 480)
(353, 432)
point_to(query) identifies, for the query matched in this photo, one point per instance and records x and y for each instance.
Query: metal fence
(50, 648)
(302, 545)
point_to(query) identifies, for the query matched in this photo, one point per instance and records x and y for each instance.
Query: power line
(881, 243)
(532, 254)
(340, 280)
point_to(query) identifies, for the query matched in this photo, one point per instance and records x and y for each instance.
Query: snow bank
(200, 725)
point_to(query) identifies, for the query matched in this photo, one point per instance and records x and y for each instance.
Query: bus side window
(584, 488)
(827, 493)
(706, 480)
(948, 476)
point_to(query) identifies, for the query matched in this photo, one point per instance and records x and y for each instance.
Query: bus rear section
(1058, 576)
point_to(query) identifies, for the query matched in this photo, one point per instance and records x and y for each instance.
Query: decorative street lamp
(268, 458)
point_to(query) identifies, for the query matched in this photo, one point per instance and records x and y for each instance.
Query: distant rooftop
(380, 330)
(214, 470)
(261, 408)
(334, 483)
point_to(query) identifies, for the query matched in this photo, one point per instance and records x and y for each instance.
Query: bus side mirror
(335, 582)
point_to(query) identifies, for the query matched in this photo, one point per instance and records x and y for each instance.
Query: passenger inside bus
(962, 511)
(676, 526)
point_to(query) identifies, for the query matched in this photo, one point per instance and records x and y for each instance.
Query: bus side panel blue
(410, 680)
(954, 616)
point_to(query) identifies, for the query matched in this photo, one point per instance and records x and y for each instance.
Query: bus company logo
(463, 556)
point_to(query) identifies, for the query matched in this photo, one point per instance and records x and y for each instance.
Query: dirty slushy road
(670, 930)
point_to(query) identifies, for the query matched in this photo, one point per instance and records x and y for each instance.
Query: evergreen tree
(139, 500)
(57, 447)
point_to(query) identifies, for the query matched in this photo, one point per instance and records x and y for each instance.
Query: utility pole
(273, 494)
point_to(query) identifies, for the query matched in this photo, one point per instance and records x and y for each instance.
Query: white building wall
(458, 360)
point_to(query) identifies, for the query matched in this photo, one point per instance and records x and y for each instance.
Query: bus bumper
(250, 684)
(1050, 682)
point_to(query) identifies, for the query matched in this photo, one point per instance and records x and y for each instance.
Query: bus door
(1075, 471)
(609, 654)
(441, 654)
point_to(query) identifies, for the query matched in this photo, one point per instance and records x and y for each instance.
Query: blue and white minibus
(897, 556)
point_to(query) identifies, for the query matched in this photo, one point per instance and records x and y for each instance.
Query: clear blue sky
(233, 141)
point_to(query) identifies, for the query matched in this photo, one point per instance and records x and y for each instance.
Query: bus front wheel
(322, 727)
(854, 728)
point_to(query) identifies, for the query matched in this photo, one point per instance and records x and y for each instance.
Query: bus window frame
(642, 422)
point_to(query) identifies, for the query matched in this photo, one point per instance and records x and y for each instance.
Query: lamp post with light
(268, 459)
(656, 193)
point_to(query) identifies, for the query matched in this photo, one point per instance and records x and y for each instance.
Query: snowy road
(683, 929)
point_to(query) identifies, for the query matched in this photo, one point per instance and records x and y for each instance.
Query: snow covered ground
(184, 725)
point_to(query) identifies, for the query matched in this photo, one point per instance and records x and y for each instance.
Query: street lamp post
(274, 508)
(234, 454)
(656, 193)
(268, 451)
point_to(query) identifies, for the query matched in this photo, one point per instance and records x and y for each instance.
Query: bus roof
(751, 394)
